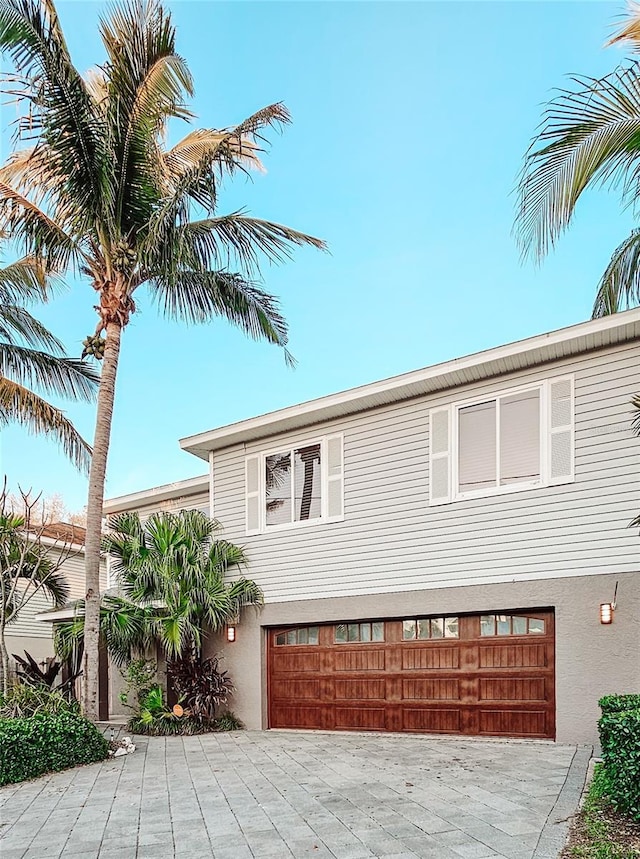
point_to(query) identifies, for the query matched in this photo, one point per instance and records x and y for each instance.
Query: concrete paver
(249, 795)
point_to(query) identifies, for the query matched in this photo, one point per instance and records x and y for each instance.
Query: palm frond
(629, 32)
(619, 287)
(65, 377)
(17, 324)
(26, 221)
(588, 135)
(199, 297)
(237, 238)
(635, 423)
(20, 405)
(61, 109)
(25, 281)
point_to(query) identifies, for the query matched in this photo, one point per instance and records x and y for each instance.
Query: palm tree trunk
(4, 656)
(104, 414)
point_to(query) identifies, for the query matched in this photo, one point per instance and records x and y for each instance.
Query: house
(434, 548)
(27, 632)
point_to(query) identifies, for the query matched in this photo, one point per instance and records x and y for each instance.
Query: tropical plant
(23, 700)
(28, 567)
(171, 572)
(139, 676)
(201, 686)
(99, 190)
(590, 135)
(32, 358)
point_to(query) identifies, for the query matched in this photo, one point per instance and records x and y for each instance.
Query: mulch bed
(620, 835)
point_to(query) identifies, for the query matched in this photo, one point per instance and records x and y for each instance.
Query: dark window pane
(408, 630)
(519, 625)
(423, 629)
(488, 624)
(307, 482)
(437, 627)
(504, 624)
(278, 488)
(451, 627)
(281, 638)
(536, 626)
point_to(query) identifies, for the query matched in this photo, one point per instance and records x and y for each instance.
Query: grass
(598, 832)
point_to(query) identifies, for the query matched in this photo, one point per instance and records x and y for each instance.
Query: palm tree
(27, 568)
(30, 356)
(99, 190)
(171, 572)
(590, 135)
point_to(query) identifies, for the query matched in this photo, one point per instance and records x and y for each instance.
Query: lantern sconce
(231, 633)
(607, 609)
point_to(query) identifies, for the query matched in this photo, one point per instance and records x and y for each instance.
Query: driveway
(283, 794)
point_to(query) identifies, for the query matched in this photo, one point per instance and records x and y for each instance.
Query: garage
(481, 675)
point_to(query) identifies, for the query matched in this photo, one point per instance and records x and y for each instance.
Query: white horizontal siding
(392, 540)
(199, 501)
(73, 570)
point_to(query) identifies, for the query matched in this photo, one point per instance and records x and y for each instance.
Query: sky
(410, 122)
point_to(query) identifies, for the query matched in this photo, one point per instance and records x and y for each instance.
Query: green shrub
(620, 740)
(618, 703)
(229, 722)
(34, 745)
(23, 700)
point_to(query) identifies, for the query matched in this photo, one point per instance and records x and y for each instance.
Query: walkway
(283, 794)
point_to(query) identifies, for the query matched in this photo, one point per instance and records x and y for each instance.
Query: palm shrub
(98, 191)
(172, 576)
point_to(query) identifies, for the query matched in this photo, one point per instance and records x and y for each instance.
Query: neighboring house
(434, 548)
(29, 633)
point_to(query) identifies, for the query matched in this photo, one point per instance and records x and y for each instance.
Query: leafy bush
(201, 686)
(620, 740)
(45, 742)
(229, 722)
(140, 677)
(618, 703)
(24, 701)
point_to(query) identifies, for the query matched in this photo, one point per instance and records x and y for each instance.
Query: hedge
(34, 745)
(620, 740)
(618, 703)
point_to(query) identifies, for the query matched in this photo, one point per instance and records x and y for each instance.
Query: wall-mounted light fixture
(231, 633)
(607, 609)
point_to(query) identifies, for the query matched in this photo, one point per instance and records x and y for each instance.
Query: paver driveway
(283, 794)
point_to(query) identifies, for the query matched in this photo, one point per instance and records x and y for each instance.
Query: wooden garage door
(487, 674)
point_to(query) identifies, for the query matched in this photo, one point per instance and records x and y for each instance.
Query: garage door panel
(431, 689)
(359, 690)
(513, 689)
(430, 658)
(433, 721)
(364, 719)
(513, 723)
(513, 656)
(285, 662)
(364, 659)
(476, 679)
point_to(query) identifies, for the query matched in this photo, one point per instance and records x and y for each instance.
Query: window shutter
(561, 421)
(335, 482)
(252, 494)
(440, 456)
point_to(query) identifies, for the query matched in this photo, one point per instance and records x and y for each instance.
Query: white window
(518, 439)
(294, 485)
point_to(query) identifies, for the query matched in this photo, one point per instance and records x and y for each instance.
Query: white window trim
(545, 476)
(324, 518)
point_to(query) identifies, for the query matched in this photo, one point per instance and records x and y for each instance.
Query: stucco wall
(591, 659)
